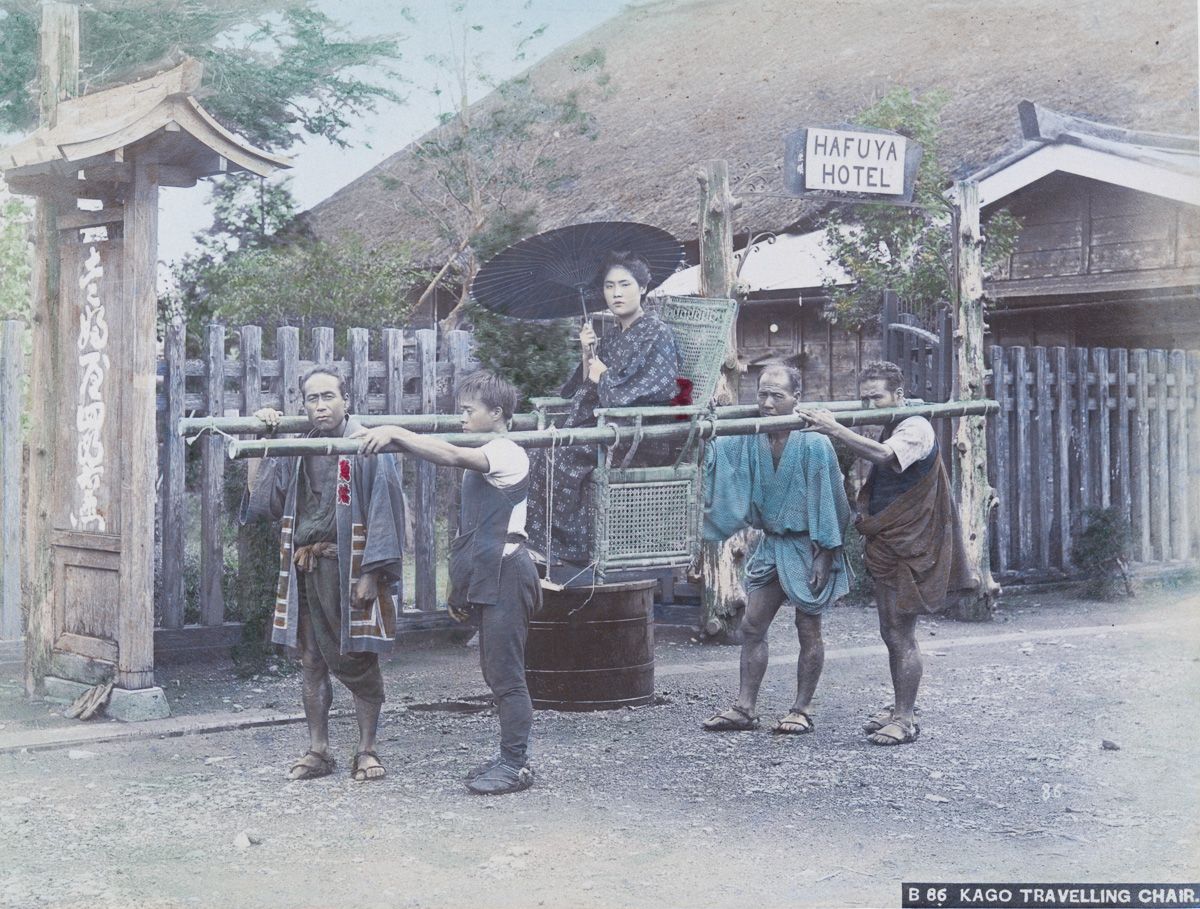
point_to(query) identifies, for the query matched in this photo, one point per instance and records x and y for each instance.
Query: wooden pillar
(976, 498)
(722, 595)
(58, 77)
(135, 612)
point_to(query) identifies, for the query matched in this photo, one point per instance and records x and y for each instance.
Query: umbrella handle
(591, 348)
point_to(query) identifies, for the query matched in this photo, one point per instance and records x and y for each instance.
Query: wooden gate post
(58, 78)
(723, 595)
(89, 547)
(976, 498)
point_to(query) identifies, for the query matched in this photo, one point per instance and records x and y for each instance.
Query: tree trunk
(976, 498)
(723, 596)
(58, 71)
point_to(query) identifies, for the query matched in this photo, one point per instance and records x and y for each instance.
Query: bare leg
(898, 630)
(761, 606)
(317, 693)
(367, 714)
(811, 661)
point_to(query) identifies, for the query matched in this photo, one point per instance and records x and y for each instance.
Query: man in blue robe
(789, 486)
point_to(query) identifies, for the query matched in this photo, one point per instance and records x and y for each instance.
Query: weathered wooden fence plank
(1062, 430)
(425, 550)
(174, 477)
(1022, 460)
(1181, 532)
(251, 368)
(212, 525)
(1001, 473)
(393, 358)
(287, 349)
(1122, 497)
(1102, 438)
(359, 379)
(1083, 435)
(1140, 460)
(250, 354)
(322, 345)
(1160, 503)
(12, 386)
(1043, 478)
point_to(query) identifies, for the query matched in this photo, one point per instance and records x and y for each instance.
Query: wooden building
(1108, 254)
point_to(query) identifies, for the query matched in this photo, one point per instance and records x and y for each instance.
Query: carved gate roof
(157, 116)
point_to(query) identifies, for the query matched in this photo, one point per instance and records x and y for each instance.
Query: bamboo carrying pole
(195, 426)
(708, 427)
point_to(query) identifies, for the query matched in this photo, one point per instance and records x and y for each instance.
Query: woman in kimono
(635, 366)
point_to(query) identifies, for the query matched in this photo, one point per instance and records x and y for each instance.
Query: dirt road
(1009, 781)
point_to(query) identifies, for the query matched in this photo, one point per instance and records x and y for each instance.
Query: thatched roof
(718, 79)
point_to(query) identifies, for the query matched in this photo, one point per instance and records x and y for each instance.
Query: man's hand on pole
(820, 420)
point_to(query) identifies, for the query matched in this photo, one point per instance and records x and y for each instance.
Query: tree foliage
(15, 259)
(274, 70)
(480, 167)
(909, 251)
(256, 265)
(308, 283)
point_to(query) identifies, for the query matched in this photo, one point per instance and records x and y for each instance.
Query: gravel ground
(1010, 781)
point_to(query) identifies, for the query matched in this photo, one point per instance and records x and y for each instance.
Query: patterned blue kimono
(801, 502)
(643, 365)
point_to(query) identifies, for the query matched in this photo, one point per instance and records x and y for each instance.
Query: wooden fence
(391, 371)
(1078, 428)
(1097, 427)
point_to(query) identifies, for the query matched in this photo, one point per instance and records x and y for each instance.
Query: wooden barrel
(592, 648)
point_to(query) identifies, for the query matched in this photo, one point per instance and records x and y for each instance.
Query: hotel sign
(859, 163)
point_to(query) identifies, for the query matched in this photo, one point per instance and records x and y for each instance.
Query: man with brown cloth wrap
(340, 553)
(914, 546)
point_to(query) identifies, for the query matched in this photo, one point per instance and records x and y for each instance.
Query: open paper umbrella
(556, 274)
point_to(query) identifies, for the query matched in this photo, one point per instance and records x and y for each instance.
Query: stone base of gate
(129, 705)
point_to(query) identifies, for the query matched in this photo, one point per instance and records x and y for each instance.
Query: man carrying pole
(493, 580)
(914, 547)
(787, 484)
(340, 552)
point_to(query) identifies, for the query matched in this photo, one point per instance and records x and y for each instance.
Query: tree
(275, 71)
(249, 214)
(15, 259)
(257, 265)
(308, 283)
(909, 251)
(475, 172)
